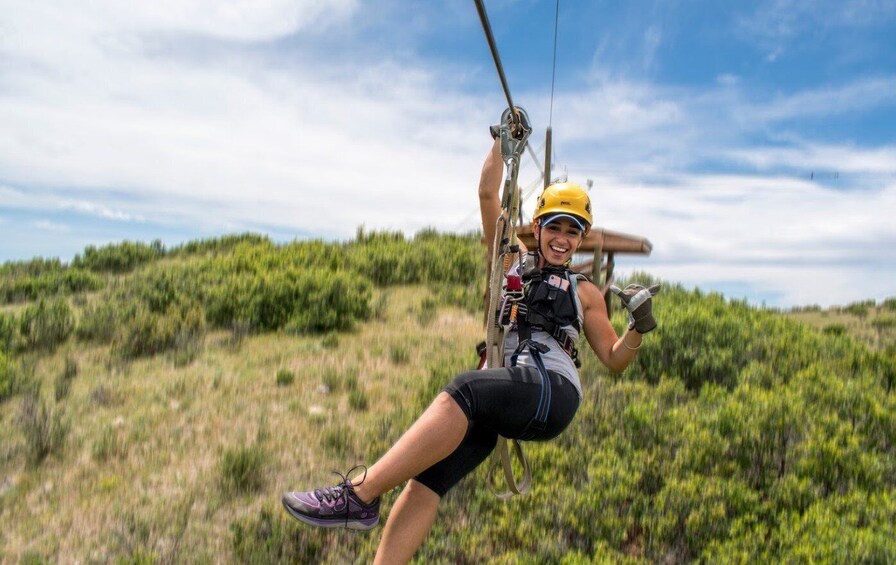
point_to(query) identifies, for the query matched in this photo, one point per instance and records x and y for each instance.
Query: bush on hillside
(49, 283)
(47, 324)
(8, 332)
(218, 245)
(7, 377)
(98, 321)
(145, 332)
(118, 257)
(860, 308)
(297, 300)
(44, 427)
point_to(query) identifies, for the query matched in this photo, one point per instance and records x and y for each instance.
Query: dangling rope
(514, 132)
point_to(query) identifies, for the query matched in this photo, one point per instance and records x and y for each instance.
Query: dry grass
(859, 327)
(140, 468)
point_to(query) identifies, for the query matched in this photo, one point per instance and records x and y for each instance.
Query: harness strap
(539, 420)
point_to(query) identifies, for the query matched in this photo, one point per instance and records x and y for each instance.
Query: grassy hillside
(156, 413)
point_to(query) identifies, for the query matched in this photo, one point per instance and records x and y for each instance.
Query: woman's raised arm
(489, 194)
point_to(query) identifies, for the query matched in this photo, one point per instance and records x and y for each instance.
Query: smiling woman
(533, 395)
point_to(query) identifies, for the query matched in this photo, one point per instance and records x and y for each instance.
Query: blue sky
(751, 142)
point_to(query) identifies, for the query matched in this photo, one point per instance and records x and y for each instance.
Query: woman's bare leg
(409, 523)
(434, 436)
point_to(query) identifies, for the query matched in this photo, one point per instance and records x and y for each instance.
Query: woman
(460, 428)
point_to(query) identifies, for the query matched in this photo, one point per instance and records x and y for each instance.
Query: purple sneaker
(334, 507)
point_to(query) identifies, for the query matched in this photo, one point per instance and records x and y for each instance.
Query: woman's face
(559, 240)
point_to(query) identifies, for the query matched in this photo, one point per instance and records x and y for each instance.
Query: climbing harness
(514, 131)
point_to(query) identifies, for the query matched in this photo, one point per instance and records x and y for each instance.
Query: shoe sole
(359, 525)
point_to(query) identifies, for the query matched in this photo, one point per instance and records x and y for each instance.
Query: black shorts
(498, 402)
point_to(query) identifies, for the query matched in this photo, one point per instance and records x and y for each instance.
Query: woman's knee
(419, 492)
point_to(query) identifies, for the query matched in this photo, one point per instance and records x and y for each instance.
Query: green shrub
(146, 333)
(118, 257)
(889, 304)
(219, 245)
(285, 377)
(8, 332)
(98, 321)
(43, 426)
(108, 445)
(47, 324)
(427, 311)
(859, 309)
(357, 399)
(64, 379)
(399, 353)
(835, 329)
(330, 340)
(337, 380)
(7, 377)
(243, 469)
(272, 537)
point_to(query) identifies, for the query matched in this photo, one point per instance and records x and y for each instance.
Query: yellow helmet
(565, 199)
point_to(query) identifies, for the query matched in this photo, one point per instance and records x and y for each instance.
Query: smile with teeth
(560, 250)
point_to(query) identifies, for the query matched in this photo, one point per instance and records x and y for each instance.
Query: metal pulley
(514, 130)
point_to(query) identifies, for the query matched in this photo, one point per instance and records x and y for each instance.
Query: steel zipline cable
(487, 28)
(554, 64)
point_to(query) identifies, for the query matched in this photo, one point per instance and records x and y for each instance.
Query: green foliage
(63, 281)
(859, 309)
(273, 537)
(357, 399)
(108, 445)
(118, 257)
(889, 304)
(98, 322)
(7, 376)
(147, 332)
(337, 380)
(427, 311)
(242, 469)
(43, 426)
(65, 377)
(256, 286)
(399, 353)
(387, 258)
(47, 324)
(8, 332)
(219, 245)
(285, 377)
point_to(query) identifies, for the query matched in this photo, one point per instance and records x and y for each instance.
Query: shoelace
(340, 490)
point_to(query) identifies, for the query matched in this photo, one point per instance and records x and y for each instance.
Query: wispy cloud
(316, 117)
(50, 226)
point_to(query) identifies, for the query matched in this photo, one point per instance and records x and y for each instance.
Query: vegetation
(737, 435)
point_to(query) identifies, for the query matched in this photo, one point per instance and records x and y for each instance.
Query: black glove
(638, 301)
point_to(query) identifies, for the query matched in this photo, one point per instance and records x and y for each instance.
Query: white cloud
(848, 98)
(50, 226)
(815, 157)
(310, 146)
(183, 113)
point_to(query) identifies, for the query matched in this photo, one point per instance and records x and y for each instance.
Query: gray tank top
(555, 359)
